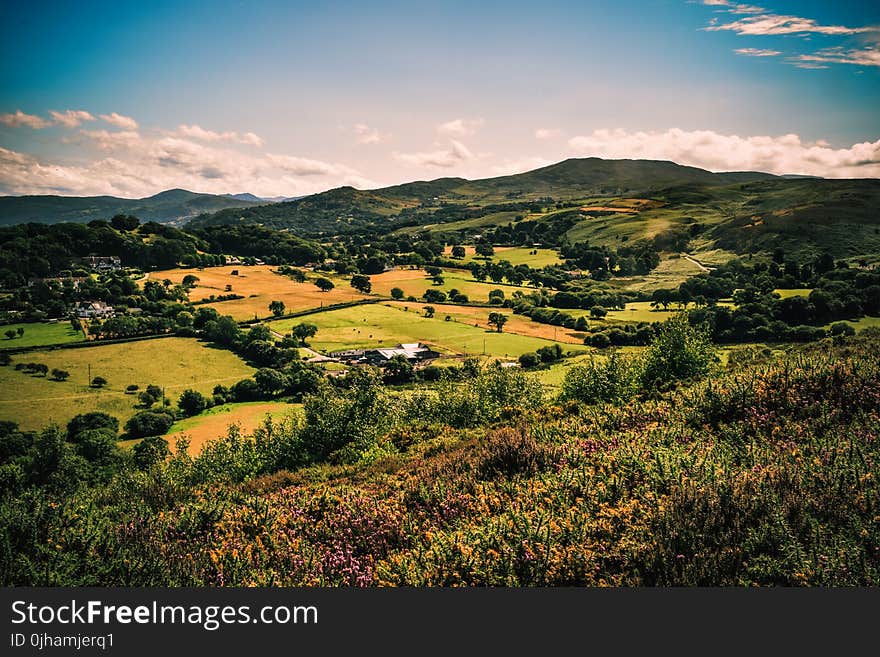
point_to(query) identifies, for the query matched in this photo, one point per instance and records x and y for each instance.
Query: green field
(380, 325)
(794, 292)
(515, 255)
(40, 334)
(414, 282)
(174, 363)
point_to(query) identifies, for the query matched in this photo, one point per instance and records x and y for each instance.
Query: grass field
(670, 273)
(260, 285)
(174, 363)
(515, 255)
(794, 292)
(215, 422)
(518, 324)
(386, 325)
(859, 324)
(39, 334)
(414, 282)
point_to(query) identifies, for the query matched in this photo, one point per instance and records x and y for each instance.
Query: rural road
(693, 260)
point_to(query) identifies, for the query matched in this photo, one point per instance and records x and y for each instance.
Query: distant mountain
(171, 206)
(347, 208)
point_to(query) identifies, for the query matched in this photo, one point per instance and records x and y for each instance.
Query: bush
(613, 380)
(150, 451)
(149, 423)
(679, 351)
(529, 359)
(91, 421)
(192, 402)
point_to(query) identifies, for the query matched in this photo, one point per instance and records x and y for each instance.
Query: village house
(414, 352)
(76, 281)
(93, 310)
(103, 264)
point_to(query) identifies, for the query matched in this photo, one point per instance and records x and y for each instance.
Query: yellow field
(414, 282)
(479, 317)
(260, 285)
(515, 255)
(174, 363)
(215, 422)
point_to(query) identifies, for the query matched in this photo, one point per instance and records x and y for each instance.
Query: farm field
(515, 255)
(414, 282)
(794, 292)
(215, 422)
(518, 324)
(386, 325)
(672, 271)
(174, 363)
(39, 334)
(260, 285)
(859, 324)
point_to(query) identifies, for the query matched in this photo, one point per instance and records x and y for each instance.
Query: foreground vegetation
(659, 469)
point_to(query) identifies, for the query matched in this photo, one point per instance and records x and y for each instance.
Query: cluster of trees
(543, 356)
(272, 246)
(603, 262)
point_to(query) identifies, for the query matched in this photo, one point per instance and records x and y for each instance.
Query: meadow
(173, 363)
(38, 334)
(386, 325)
(260, 285)
(215, 422)
(515, 255)
(414, 282)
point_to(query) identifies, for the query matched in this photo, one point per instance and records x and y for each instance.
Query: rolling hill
(171, 206)
(740, 212)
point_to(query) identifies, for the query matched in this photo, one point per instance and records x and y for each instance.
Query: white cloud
(717, 152)
(71, 118)
(509, 167)
(859, 57)
(766, 24)
(547, 133)
(457, 153)
(198, 132)
(134, 165)
(460, 127)
(19, 119)
(120, 121)
(757, 52)
(364, 134)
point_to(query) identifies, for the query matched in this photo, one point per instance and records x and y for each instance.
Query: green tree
(10, 334)
(277, 308)
(60, 375)
(150, 451)
(429, 311)
(192, 402)
(93, 420)
(458, 251)
(99, 382)
(484, 249)
(598, 312)
(396, 293)
(324, 284)
(189, 280)
(498, 321)
(148, 423)
(679, 351)
(361, 283)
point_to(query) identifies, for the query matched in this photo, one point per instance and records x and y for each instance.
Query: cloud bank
(718, 152)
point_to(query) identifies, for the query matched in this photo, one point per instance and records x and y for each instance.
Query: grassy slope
(765, 476)
(39, 334)
(385, 325)
(175, 363)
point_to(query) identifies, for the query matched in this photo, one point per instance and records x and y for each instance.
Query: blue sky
(285, 98)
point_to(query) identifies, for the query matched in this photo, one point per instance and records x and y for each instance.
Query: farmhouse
(414, 352)
(103, 263)
(93, 310)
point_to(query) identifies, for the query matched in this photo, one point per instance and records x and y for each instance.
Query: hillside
(605, 202)
(171, 206)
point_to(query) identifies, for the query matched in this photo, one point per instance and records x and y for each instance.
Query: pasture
(515, 255)
(39, 334)
(414, 282)
(260, 285)
(479, 315)
(386, 325)
(173, 363)
(215, 422)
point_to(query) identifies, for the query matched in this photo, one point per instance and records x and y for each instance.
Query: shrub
(149, 423)
(612, 380)
(91, 421)
(679, 351)
(192, 402)
(150, 451)
(529, 359)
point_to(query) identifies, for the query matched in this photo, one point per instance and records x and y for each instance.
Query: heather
(760, 473)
